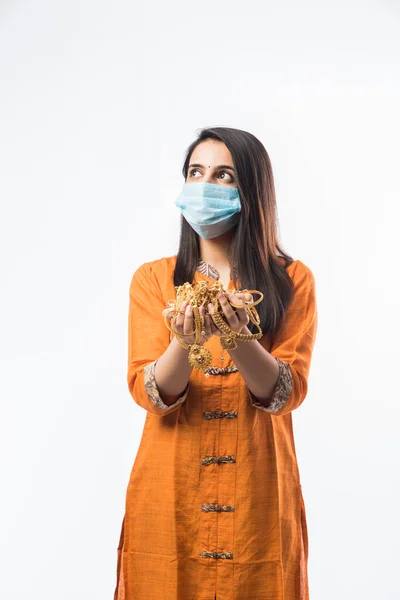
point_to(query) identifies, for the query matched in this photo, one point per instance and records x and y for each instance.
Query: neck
(215, 251)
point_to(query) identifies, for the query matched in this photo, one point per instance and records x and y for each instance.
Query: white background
(98, 102)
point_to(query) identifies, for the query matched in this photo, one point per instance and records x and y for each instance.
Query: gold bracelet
(201, 293)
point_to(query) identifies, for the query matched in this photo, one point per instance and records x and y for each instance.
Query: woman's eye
(193, 171)
(226, 173)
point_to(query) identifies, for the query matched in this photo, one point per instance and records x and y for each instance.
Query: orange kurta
(258, 541)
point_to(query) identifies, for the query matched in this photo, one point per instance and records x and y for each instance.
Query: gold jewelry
(201, 293)
(247, 302)
(199, 357)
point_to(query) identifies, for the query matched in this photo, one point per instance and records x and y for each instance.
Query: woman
(214, 505)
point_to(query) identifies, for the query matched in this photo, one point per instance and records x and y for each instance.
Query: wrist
(245, 330)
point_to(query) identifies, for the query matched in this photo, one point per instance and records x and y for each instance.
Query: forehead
(211, 152)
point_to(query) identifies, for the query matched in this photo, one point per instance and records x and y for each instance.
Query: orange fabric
(164, 528)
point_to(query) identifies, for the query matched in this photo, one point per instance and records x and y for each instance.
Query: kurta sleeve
(148, 338)
(293, 346)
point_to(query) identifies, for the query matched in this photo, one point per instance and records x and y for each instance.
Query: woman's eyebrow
(217, 167)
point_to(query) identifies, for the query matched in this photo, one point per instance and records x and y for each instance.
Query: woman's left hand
(237, 318)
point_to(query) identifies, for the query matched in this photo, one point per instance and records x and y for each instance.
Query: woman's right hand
(184, 323)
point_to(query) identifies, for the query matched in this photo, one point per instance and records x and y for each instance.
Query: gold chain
(201, 293)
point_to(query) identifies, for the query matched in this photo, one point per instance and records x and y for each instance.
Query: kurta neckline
(207, 270)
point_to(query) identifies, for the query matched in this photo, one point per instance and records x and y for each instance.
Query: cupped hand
(237, 318)
(184, 323)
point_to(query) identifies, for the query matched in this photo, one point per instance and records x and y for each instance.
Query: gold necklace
(201, 293)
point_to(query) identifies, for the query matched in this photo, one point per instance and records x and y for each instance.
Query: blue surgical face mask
(210, 208)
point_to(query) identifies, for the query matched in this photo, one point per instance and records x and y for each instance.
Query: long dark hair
(254, 248)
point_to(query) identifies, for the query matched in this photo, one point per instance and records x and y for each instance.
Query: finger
(241, 299)
(180, 319)
(247, 298)
(243, 317)
(229, 311)
(188, 323)
(211, 312)
(206, 326)
(241, 313)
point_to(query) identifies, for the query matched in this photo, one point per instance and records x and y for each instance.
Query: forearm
(172, 372)
(257, 366)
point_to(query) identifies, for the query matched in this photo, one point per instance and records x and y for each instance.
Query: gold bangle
(171, 328)
(201, 293)
(247, 302)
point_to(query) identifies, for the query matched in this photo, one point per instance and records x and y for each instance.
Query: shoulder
(304, 297)
(157, 272)
(303, 283)
(157, 266)
(300, 273)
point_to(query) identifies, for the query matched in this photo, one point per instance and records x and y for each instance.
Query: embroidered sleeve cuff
(282, 391)
(152, 389)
